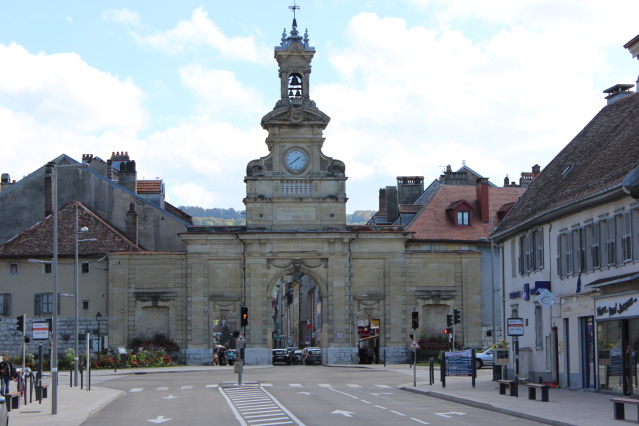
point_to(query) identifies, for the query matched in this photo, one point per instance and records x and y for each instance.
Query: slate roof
(38, 240)
(434, 223)
(592, 164)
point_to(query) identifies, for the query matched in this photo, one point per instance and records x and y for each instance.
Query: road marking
(273, 424)
(343, 413)
(419, 421)
(252, 406)
(261, 415)
(160, 419)
(186, 387)
(366, 402)
(449, 417)
(295, 385)
(399, 414)
(354, 386)
(325, 385)
(270, 420)
(354, 397)
(162, 388)
(266, 385)
(211, 386)
(379, 406)
(383, 386)
(381, 393)
(136, 390)
(170, 397)
(306, 393)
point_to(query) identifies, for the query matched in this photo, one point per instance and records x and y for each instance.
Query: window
(513, 257)
(463, 218)
(43, 304)
(85, 267)
(13, 268)
(540, 248)
(595, 252)
(582, 250)
(569, 258)
(539, 328)
(85, 305)
(5, 304)
(611, 242)
(48, 268)
(560, 252)
(522, 255)
(626, 237)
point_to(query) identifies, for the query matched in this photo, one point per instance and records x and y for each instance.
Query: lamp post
(76, 274)
(98, 317)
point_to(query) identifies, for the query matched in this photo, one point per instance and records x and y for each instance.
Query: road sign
(307, 339)
(414, 344)
(40, 330)
(515, 326)
(241, 338)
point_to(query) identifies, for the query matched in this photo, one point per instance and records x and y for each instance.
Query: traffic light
(20, 326)
(456, 316)
(449, 320)
(50, 322)
(447, 331)
(244, 315)
(415, 320)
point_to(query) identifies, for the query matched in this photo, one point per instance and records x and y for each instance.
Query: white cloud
(192, 194)
(64, 91)
(220, 93)
(201, 30)
(122, 16)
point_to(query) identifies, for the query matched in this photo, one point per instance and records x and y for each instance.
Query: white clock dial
(296, 159)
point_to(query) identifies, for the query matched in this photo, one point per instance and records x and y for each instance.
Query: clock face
(296, 160)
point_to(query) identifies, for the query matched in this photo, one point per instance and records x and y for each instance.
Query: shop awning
(368, 338)
(613, 280)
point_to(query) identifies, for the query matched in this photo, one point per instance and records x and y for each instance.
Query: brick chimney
(132, 224)
(536, 170)
(392, 208)
(382, 199)
(482, 199)
(409, 188)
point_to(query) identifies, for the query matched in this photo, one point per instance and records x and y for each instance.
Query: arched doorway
(296, 301)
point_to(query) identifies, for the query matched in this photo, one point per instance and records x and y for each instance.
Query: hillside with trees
(232, 217)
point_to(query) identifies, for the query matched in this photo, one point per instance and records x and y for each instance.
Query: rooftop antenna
(294, 8)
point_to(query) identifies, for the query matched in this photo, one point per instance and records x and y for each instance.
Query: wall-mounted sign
(40, 330)
(614, 307)
(515, 326)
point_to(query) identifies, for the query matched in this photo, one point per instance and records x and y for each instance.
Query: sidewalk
(565, 407)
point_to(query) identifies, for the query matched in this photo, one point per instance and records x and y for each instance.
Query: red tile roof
(149, 186)
(38, 240)
(434, 223)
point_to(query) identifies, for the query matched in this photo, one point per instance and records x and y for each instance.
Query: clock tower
(296, 186)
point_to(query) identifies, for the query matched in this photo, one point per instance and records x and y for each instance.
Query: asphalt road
(283, 395)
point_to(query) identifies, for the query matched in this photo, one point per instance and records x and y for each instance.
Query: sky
(410, 85)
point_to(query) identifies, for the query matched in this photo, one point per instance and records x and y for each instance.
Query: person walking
(7, 372)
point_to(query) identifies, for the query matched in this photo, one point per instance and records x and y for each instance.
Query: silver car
(484, 358)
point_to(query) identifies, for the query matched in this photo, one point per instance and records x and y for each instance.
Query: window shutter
(527, 243)
(540, 248)
(582, 249)
(37, 305)
(611, 241)
(569, 251)
(559, 257)
(626, 241)
(596, 252)
(520, 259)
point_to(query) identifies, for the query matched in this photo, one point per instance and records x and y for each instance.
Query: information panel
(459, 363)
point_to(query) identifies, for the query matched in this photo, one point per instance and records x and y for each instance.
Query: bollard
(81, 376)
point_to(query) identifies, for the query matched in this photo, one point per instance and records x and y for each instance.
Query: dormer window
(463, 218)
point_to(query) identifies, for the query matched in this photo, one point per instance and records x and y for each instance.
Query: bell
(298, 94)
(290, 93)
(295, 81)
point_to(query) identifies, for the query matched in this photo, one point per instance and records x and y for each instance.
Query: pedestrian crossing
(253, 405)
(267, 385)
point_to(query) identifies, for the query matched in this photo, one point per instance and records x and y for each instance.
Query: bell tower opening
(295, 87)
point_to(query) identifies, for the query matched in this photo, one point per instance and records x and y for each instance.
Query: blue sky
(410, 86)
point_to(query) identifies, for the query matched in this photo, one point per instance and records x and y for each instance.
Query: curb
(105, 403)
(486, 406)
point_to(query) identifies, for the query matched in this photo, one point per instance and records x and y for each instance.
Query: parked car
(296, 357)
(281, 356)
(4, 413)
(313, 356)
(484, 358)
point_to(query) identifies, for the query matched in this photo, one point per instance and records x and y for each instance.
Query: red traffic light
(447, 331)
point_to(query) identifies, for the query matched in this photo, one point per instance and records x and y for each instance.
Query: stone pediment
(295, 114)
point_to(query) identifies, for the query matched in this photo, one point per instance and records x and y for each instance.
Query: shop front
(617, 320)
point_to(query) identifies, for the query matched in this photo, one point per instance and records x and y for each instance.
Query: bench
(12, 400)
(532, 391)
(44, 391)
(619, 405)
(503, 384)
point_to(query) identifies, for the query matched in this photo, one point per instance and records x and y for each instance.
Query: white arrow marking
(445, 414)
(344, 413)
(306, 393)
(382, 393)
(170, 397)
(160, 419)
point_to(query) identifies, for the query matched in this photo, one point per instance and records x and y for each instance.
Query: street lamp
(76, 280)
(98, 317)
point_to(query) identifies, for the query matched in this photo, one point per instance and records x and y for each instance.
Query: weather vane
(294, 8)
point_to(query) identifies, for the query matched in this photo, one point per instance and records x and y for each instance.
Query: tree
(226, 337)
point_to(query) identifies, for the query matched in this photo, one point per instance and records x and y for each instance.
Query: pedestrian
(7, 373)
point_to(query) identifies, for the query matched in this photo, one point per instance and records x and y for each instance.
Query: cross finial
(294, 8)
